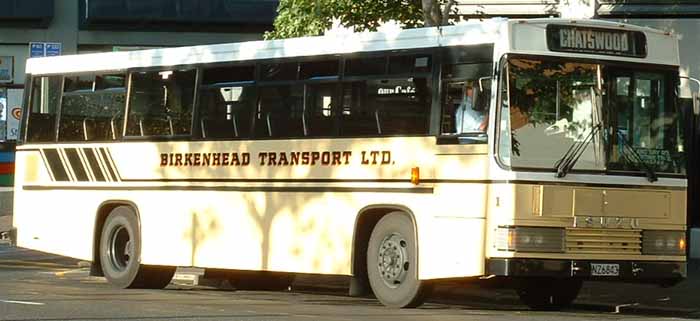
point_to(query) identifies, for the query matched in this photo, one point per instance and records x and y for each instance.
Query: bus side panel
(289, 232)
(452, 223)
(51, 221)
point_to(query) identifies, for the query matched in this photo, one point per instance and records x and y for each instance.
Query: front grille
(603, 241)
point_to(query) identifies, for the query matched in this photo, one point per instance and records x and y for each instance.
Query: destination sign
(596, 41)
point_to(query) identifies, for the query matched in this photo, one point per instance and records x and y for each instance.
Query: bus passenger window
(320, 109)
(365, 66)
(318, 69)
(466, 98)
(92, 108)
(161, 103)
(45, 97)
(280, 112)
(225, 112)
(227, 102)
(398, 106)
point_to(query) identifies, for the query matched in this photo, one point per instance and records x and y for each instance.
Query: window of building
(92, 108)
(160, 103)
(45, 99)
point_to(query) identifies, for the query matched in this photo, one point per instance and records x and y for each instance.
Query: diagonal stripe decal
(107, 157)
(73, 160)
(94, 164)
(55, 163)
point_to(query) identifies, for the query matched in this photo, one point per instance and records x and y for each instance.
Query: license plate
(598, 269)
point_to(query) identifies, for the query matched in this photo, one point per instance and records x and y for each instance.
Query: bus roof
(490, 31)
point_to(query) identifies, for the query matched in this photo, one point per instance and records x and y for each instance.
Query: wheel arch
(100, 217)
(366, 220)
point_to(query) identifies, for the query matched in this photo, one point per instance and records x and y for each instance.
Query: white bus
(545, 152)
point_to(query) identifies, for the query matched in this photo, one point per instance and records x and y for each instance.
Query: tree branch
(446, 12)
(427, 6)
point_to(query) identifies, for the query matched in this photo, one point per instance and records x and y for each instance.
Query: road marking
(22, 302)
(63, 273)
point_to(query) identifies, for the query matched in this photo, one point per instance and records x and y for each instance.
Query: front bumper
(666, 273)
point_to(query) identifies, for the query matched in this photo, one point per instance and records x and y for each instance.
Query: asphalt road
(49, 291)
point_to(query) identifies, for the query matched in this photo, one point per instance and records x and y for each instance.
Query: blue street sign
(45, 49)
(53, 49)
(36, 49)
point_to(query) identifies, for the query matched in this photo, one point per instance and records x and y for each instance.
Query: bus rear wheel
(120, 254)
(548, 294)
(392, 263)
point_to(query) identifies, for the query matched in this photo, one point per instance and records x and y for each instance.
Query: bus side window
(466, 99)
(227, 102)
(320, 109)
(280, 111)
(46, 96)
(384, 105)
(161, 103)
(92, 108)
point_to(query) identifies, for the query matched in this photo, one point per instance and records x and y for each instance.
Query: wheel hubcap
(393, 260)
(121, 248)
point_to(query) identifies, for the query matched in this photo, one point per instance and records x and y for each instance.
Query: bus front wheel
(120, 254)
(392, 263)
(548, 294)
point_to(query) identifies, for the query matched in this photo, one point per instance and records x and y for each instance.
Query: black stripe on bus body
(424, 181)
(551, 183)
(94, 164)
(56, 165)
(76, 165)
(108, 163)
(263, 180)
(296, 189)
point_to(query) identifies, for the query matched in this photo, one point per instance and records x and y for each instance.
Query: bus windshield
(555, 106)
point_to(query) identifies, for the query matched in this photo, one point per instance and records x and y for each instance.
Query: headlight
(530, 239)
(663, 243)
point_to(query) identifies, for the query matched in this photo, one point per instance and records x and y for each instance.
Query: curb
(186, 279)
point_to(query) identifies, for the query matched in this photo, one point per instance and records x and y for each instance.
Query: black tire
(395, 282)
(120, 254)
(548, 294)
(260, 281)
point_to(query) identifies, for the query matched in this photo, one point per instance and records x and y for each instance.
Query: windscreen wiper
(567, 162)
(651, 173)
